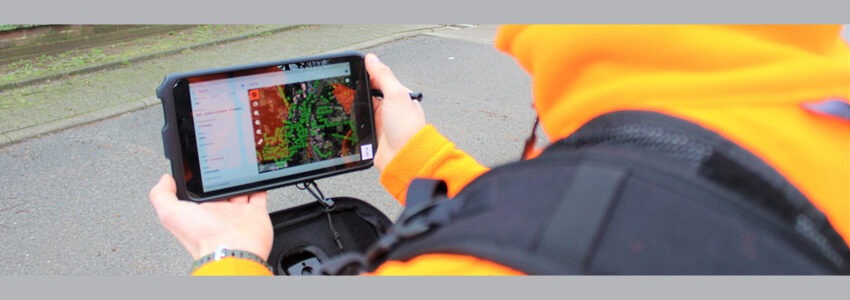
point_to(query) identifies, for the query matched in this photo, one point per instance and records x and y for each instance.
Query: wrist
(254, 244)
(223, 252)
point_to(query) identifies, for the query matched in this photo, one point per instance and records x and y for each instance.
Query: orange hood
(747, 83)
(581, 71)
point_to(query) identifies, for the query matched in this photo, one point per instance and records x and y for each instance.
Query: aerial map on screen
(302, 122)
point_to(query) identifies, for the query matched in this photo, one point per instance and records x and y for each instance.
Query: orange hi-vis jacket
(749, 83)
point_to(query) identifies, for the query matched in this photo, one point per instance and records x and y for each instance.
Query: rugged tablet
(236, 130)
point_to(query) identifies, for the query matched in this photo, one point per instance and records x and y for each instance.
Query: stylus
(413, 95)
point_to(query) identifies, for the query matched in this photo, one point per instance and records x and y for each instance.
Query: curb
(23, 134)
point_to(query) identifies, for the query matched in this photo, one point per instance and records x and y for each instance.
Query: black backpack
(629, 193)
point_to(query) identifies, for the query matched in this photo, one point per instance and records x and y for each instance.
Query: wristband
(222, 252)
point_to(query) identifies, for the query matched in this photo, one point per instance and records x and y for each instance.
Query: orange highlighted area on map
(302, 122)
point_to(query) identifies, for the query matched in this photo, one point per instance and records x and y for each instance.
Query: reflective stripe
(835, 108)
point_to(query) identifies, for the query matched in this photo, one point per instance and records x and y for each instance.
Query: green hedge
(10, 27)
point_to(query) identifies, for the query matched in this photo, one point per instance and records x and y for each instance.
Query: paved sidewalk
(84, 190)
(105, 91)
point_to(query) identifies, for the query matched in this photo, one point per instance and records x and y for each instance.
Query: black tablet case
(304, 236)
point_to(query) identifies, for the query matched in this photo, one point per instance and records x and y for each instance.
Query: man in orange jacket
(779, 92)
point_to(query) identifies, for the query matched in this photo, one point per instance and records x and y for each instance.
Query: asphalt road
(75, 202)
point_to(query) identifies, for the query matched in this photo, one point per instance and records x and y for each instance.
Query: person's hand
(397, 117)
(240, 223)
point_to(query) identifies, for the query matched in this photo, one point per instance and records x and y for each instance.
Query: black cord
(334, 232)
(529, 143)
(314, 190)
(310, 186)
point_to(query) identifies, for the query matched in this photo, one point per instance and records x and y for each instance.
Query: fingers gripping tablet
(236, 130)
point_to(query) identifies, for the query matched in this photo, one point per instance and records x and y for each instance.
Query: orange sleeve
(443, 265)
(232, 266)
(430, 155)
(429, 264)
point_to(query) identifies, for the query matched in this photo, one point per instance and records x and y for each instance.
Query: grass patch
(123, 52)
(10, 27)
